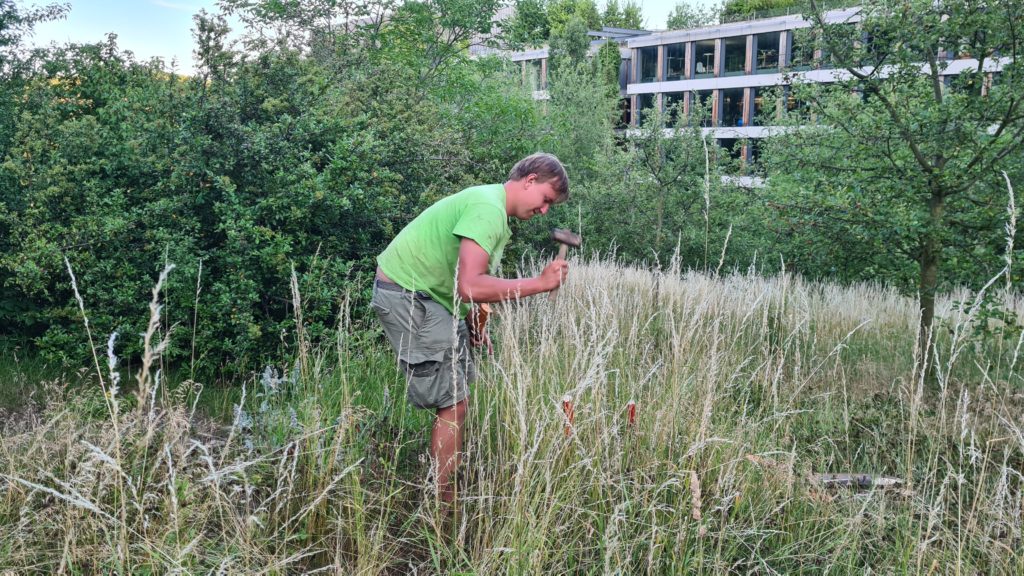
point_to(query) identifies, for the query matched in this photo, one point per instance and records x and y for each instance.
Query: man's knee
(461, 407)
(455, 413)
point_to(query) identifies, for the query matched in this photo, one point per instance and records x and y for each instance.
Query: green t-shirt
(424, 255)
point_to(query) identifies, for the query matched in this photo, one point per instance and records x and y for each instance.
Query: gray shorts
(433, 350)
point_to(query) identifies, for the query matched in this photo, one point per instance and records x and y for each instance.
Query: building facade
(726, 71)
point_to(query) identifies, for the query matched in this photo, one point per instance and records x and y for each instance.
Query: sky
(148, 28)
(163, 28)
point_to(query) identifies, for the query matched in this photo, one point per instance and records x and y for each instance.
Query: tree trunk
(931, 252)
(661, 218)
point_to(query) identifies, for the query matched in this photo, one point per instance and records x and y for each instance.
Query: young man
(437, 266)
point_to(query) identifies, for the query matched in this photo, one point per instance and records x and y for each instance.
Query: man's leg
(445, 442)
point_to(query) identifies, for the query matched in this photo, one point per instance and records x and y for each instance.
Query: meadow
(748, 391)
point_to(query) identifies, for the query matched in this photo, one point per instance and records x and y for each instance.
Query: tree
(664, 195)
(905, 156)
(569, 45)
(752, 7)
(561, 12)
(686, 15)
(267, 159)
(528, 27)
(580, 114)
(628, 16)
(16, 24)
(607, 62)
(632, 16)
(612, 15)
(17, 64)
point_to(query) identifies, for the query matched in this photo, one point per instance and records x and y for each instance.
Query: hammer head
(566, 237)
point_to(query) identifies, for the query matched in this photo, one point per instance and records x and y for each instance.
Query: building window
(533, 78)
(801, 54)
(733, 147)
(871, 38)
(624, 113)
(759, 96)
(675, 62)
(824, 59)
(735, 55)
(648, 64)
(702, 108)
(755, 150)
(644, 104)
(766, 57)
(673, 102)
(732, 107)
(704, 58)
(797, 107)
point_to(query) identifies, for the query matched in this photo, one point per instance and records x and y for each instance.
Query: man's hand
(554, 274)
(482, 339)
(476, 285)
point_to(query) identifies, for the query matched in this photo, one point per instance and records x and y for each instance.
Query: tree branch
(905, 132)
(1007, 118)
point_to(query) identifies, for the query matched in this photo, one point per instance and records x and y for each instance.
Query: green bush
(237, 176)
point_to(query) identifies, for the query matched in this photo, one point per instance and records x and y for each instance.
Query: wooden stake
(569, 413)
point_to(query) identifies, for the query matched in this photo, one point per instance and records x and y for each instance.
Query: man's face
(536, 199)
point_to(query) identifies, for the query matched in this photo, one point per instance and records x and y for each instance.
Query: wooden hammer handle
(562, 250)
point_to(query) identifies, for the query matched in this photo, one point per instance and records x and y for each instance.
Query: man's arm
(475, 284)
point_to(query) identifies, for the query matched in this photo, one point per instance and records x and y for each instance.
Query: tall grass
(746, 389)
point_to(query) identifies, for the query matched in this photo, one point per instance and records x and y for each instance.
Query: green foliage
(685, 15)
(270, 160)
(580, 113)
(628, 16)
(309, 150)
(750, 7)
(562, 12)
(427, 38)
(491, 148)
(538, 22)
(996, 324)
(16, 63)
(608, 61)
(899, 178)
(569, 46)
(577, 127)
(747, 389)
(663, 198)
(528, 27)
(259, 164)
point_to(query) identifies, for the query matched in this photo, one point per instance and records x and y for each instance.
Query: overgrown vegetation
(537, 22)
(246, 417)
(903, 166)
(747, 389)
(311, 142)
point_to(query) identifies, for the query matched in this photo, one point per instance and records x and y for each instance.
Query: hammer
(565, 238)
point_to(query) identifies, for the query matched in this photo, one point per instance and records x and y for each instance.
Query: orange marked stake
(631, 414)
(568, 410)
